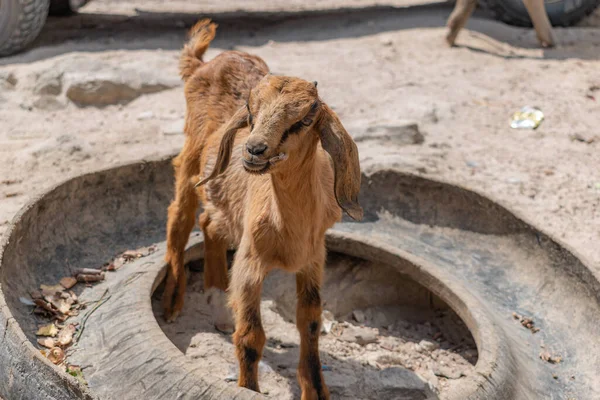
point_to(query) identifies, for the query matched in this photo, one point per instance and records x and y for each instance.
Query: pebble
(447, 372)
(428, 346)
(358, 316)
(145, 115)
(400, 133)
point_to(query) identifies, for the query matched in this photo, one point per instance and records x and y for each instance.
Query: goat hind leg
(308, 321)
(458, 19)
(179, 225)
(215, 273)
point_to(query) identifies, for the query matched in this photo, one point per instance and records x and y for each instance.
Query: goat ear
(238, 120)
(344, 153)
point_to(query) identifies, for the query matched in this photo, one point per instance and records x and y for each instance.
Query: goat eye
(307, 121)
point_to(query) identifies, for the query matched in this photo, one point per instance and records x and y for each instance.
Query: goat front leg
(308, 321)
(249, 337)
(458, 19)
(179, 225)
(541, 23)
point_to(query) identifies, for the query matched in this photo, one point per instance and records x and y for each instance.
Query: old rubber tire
(20, 23)
(560, 12)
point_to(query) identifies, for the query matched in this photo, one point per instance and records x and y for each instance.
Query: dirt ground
(372, 340)
(101, 89)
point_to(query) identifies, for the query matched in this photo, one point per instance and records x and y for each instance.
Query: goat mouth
(262, 166)
(256, 168)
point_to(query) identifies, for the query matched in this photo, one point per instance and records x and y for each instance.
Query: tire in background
(20, 23)
(560, 12)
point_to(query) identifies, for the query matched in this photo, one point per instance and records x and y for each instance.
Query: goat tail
(191, 56)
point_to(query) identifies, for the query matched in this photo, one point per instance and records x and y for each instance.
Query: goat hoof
(172, 317)
(225, 328)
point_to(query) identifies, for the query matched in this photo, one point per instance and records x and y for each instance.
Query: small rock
(114, 86)
(513, 180)
(447, 372)
(432, 381)
(583, 138)
(400, 133)
(48, 103)
(358, 316)
(365, 338)
(386, 41)
(398, 383)
(145, 115)
(362, 336)
(48, 83)
(326, 326)
(471, 353)
(8, 80)
(428, 346)
(174, 128)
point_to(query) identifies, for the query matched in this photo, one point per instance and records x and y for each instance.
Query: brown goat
(276, 167)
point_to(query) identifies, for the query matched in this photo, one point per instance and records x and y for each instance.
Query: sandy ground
(374, 65)
(373, 338)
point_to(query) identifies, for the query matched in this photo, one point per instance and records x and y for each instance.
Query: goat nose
(256, 149)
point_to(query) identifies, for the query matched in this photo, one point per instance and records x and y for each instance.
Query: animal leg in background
(180, 223)
(541, 23)
(215, 273)
(458, 19)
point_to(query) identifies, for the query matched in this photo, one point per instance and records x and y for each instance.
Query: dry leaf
(116, 264)
(131, 255)
(56, 355)
(526, 322)
(60, 303)
(65, 337)
(87, 271)
(68, 282)
(46, 342)
(47, 330)
(49, 290)
(36, 294)
(546, 356)
(90, 277)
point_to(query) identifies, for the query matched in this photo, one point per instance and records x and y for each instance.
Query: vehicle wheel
(560, 12)
(20, 23)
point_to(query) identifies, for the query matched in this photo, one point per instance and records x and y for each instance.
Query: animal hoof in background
(171, 318)
(217, 299)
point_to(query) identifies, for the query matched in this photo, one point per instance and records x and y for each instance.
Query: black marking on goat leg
(314, 328)
(250, 356)
(314, 367)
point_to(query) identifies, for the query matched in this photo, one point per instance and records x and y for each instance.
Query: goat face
(287, 119)
(281, 111)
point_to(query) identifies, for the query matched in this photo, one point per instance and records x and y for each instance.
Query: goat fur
(273, 206)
